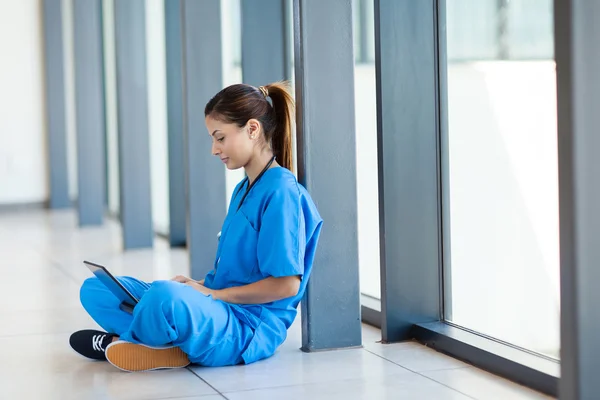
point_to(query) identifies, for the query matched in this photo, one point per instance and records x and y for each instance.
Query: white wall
(23, 159)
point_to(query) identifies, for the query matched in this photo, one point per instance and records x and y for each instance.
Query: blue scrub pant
(170, 313)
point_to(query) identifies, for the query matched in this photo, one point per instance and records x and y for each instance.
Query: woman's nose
(215, 150)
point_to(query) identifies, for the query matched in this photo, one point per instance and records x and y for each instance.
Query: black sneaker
(91, 343)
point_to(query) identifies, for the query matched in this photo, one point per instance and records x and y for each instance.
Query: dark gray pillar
(407, 120)
(56, 104)
(174, 56)
(327, 168)
(577, 65)
(89, 106)
(263, 41)
(205, 174)
(134, 141)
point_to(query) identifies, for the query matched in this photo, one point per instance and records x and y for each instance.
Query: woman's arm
(184, 279)
(263, 291)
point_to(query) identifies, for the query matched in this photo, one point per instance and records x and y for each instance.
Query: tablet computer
(128, 300)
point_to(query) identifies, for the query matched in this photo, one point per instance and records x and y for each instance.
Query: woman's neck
(257, 164)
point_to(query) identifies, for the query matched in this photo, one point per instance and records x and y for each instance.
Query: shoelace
(97, 342)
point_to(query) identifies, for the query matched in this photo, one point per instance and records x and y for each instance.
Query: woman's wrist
(219, 294)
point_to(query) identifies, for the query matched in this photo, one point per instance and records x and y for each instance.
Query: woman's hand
(202, 289)
(264, 291)
(181, 279)
(185, 279)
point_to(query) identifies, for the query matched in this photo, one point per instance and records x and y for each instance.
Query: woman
(240, 312)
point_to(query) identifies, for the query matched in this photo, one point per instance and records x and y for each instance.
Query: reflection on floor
(40, 275)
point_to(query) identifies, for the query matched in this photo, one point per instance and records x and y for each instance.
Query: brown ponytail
(283, 107)
(240, 103)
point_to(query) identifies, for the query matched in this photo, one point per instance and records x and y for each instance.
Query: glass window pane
(110, 95)
(69, 74)
(501, 182)
(366, 149)
(157, 114)
(231, 31)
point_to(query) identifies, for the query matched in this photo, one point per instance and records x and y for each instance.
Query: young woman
(240, 312)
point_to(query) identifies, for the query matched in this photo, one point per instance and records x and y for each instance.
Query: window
(366, 148)
(500, 184)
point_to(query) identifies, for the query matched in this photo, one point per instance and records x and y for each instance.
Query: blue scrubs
(274, 233)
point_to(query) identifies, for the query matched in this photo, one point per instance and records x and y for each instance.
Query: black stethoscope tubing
(253, 183)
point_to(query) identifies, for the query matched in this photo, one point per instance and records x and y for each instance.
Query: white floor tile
(370, 335)
(206, 397)
(293, 342)
(38, 322)
(414, 356)
(35, 292)
(144, 264)
(482, 385)
(288, 368)
(393, 387)
(44, 367)
(40, 277)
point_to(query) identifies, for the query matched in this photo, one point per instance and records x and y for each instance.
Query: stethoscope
(253, 183)
(249, 188)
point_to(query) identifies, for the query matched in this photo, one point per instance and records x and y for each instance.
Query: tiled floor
(40, 274)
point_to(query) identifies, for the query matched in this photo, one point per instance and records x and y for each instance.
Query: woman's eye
(220, 139)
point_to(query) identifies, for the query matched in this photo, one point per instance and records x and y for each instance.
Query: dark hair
(239, 103)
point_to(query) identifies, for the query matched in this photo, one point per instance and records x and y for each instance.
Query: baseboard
(33, 205)
(29, 206)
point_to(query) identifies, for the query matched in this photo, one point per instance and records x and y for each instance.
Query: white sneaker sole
(133, 357)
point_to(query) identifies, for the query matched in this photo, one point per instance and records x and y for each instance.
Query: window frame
(415, 301)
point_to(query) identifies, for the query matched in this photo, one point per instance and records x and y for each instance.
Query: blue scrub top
(274, 233)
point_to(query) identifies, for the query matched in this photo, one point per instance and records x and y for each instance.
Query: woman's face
(232, 144)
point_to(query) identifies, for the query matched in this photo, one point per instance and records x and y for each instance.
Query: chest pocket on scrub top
(238, 261)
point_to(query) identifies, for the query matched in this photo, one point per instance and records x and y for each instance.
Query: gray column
(134, 141)
(89, 110)
(174, 56)
(577, 65)
(327, 168)
(263, 41)
(205, 174)
(55, 104)
(407, 132)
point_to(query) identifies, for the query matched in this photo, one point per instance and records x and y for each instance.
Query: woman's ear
(253, 128)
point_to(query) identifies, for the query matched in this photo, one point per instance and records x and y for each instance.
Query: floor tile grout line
(342, 380)
(204, 380)
(53, 262)
(57, 265)
(429, 370)
(185, 397)
(417, 372)
(425, 376)
(50, 259)
(299, 384)
(33, 334)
